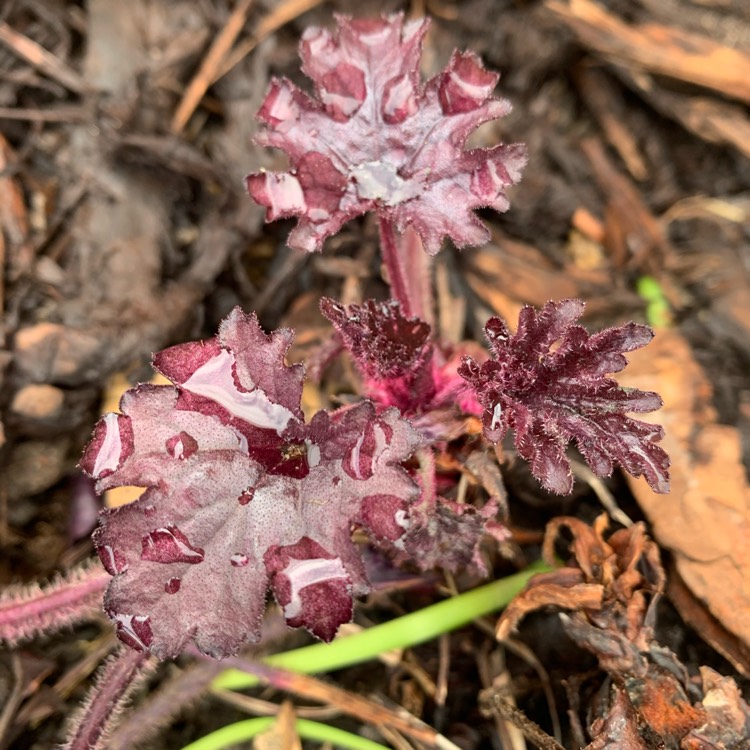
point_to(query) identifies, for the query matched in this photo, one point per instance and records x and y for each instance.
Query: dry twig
(41, 59)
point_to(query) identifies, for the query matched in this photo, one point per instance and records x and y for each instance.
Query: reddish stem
(30, 610)
(409, 271)
(116, 680)
(360, 707)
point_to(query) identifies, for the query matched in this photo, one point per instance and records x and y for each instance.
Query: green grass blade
(403, 632)
(242, 731)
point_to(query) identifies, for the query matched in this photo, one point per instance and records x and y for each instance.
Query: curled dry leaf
(376, 138)
(241, 496)
(609, 585)
(612, 586)
(550, 395)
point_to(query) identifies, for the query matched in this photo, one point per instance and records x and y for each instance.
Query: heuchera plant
(403, 366)
(242, 496)
(377, 139)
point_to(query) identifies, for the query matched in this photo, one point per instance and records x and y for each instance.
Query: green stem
(403, 632)
(243, 731)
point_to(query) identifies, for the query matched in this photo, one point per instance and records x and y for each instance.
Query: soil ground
(124, 229)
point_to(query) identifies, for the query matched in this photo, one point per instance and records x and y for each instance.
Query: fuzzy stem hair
(31, 610)
(91, 727)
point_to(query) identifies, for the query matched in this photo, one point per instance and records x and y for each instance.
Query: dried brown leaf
(563, 588)
(282, 735)
(609, 586)
(728, 716)
(705, 522)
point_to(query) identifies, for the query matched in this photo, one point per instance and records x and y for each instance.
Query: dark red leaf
(241, 496)
(402, 366)
(550, 396)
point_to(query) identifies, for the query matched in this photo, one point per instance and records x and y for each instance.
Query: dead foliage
(125, 133)
(608, 590)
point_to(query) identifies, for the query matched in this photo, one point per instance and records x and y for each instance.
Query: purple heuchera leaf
(383, 342)
(550, 396)
(377, 139)
(402, 366)
(241, 496)
(448, 535)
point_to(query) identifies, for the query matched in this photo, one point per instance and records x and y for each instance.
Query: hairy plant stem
(90, 728)
(176, 694)
(409, 271)
(30, 610)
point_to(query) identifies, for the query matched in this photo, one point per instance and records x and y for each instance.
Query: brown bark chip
(705, 522)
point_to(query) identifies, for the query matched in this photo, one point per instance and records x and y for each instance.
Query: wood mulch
(125, 133)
